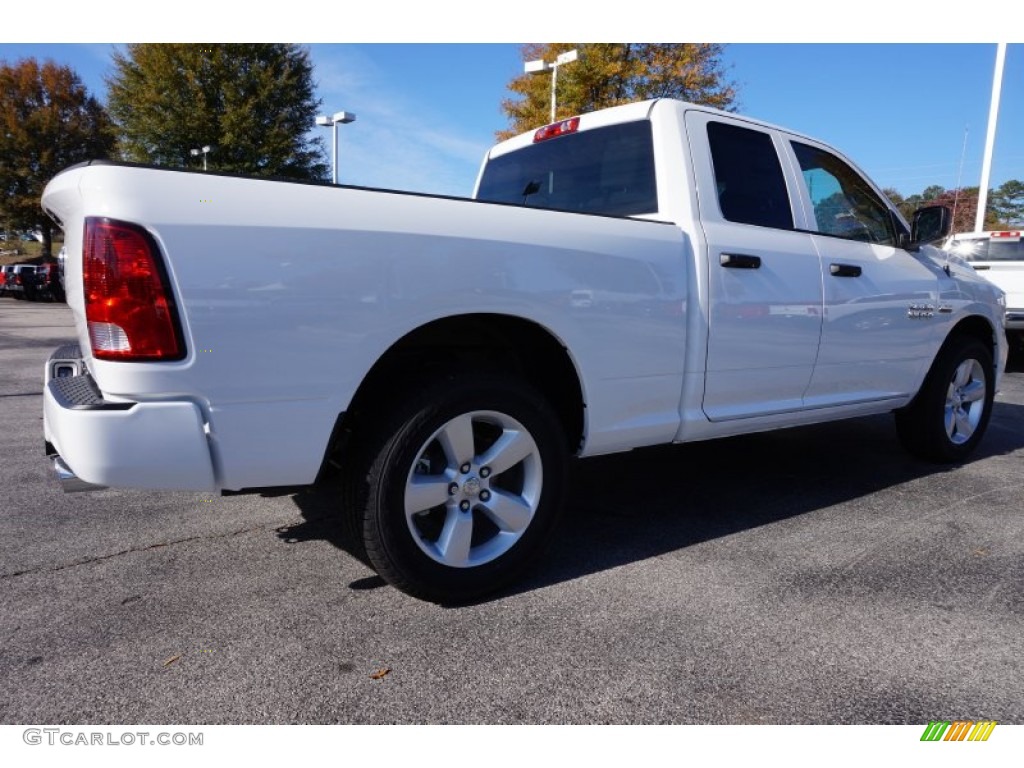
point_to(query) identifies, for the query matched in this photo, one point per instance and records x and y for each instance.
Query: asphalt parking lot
(818, 575)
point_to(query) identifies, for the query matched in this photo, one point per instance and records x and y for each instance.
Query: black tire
(438, 521)
(948, 418)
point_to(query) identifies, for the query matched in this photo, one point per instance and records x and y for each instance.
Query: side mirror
(930, 224)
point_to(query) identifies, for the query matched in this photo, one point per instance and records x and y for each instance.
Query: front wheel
(461, 486)
(951, 411)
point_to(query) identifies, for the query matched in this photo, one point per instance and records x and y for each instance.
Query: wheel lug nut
(464, 469)
(464, 505)
(485, 471)
(453, 489)
(485, 495)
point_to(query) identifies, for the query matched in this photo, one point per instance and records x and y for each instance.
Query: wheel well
(978, 328)
(490, 342)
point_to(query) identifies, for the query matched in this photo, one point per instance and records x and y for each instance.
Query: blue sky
(427, 111)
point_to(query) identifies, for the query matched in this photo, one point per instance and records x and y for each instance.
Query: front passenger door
(877, 330)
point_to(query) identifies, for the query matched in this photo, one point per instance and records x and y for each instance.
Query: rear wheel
(460, 486)
(951, 412)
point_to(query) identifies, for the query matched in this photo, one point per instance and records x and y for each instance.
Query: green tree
(608, 74)
(1007, 203)
(48, 121)
(898, 200)
(905, 205)
(252, 103)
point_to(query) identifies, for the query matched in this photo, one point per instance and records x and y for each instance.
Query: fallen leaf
(380, 673)
(172, 660)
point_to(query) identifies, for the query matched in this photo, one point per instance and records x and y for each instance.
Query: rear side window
(606, 170)
(986, 249)
(748, 176)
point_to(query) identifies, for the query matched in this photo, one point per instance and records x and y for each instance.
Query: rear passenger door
(764, 274)
(881, 302)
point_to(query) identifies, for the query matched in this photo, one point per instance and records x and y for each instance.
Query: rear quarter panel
(290, 292)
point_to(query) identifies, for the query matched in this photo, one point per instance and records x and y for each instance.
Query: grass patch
(21, 252)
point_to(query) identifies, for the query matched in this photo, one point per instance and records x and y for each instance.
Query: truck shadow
(630, 507)
(664, 499)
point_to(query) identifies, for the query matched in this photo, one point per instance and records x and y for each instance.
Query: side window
(844, 203)
(748, 175)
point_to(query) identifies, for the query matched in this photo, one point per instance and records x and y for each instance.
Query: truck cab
(812, 283)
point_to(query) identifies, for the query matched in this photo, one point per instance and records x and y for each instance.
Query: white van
(999, 256)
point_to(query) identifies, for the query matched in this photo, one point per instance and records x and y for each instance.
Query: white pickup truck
(999, 256)
(653, 273)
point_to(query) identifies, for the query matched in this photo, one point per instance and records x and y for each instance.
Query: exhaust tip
(69, 481)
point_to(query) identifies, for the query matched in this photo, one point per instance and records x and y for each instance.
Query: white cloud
(398, 140)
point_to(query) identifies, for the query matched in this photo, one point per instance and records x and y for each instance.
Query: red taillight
(128, 303)
(556, 129)
(1005, 234)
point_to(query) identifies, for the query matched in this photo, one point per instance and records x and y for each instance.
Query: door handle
(740, 261)
(845, 270)
(981, 267)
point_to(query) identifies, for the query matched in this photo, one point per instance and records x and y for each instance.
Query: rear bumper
(100, 442)
(1014, 320)
(69, 481)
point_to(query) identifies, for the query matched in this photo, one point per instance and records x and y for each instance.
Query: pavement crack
(129, 551)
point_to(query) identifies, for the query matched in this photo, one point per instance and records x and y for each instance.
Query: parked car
(46, 282)
(999, 257)
(18, 276)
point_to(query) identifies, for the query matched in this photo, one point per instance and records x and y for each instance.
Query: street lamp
(333, 121)
(539, 65)
(205, 149)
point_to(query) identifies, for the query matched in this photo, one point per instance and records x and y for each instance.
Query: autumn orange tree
(608, 74)
(48, 121)
(1005, 207)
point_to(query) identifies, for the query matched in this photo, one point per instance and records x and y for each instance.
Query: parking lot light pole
(539, 65)
(338, 118)
(990, 138)
(204, 150)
